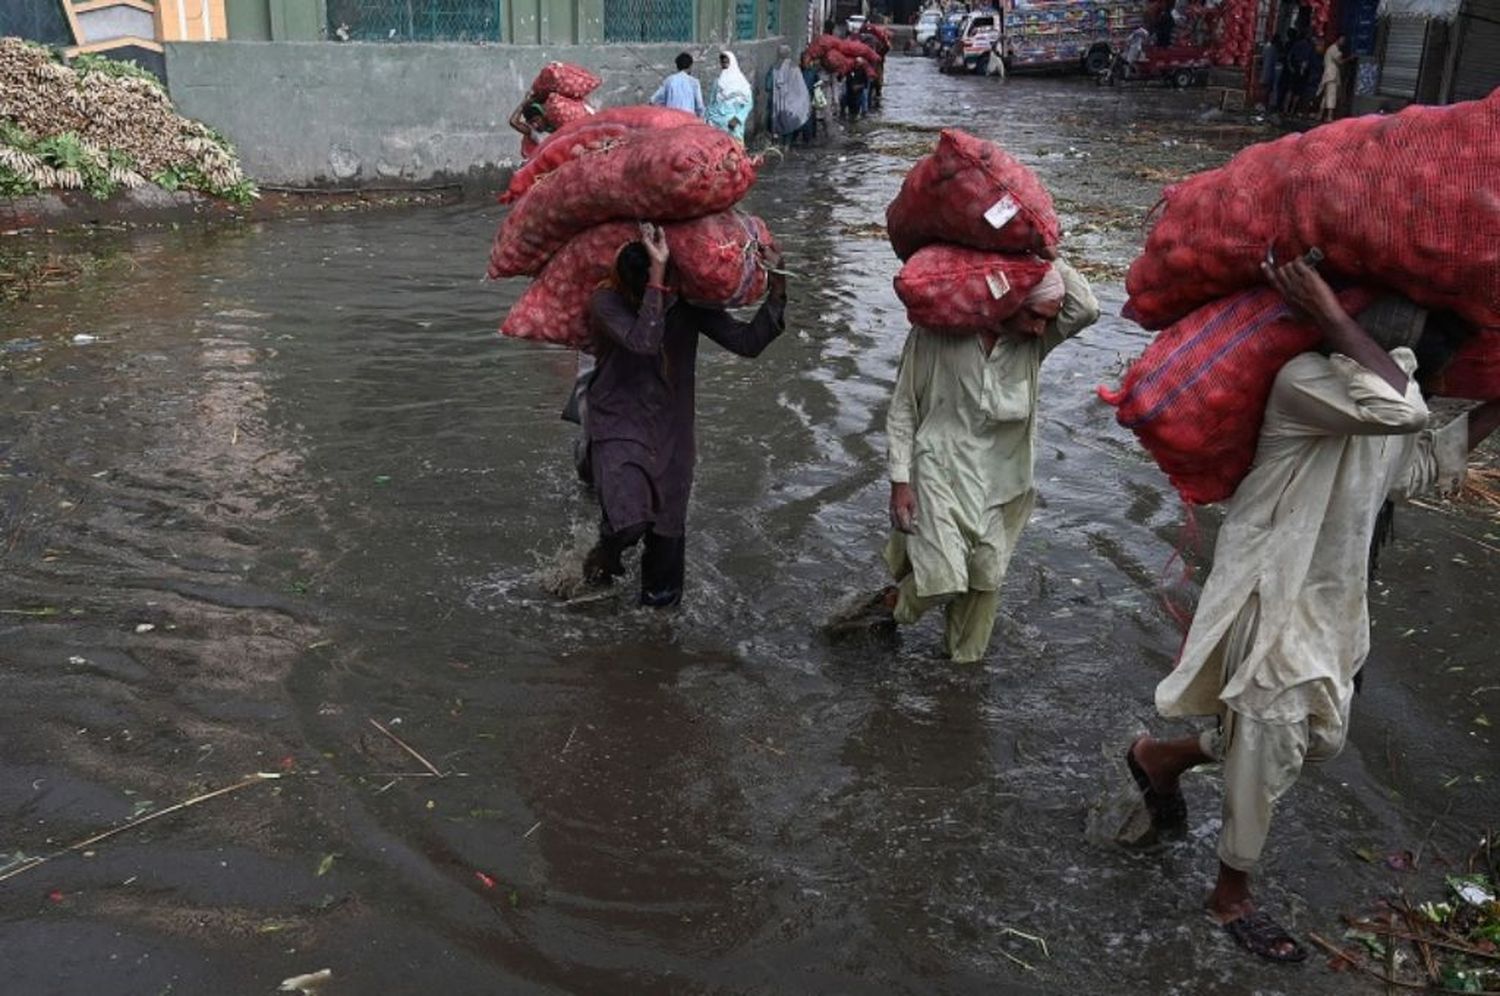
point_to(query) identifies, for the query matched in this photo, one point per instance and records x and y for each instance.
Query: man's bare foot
(1158, 782)
(1231, 897)
(1233, 908)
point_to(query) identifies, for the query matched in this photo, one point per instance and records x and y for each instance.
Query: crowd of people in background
(800, 97)
(1295, 79)
(1295, 74)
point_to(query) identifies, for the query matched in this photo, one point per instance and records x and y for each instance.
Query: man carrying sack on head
(962, 433)
(1282, 628)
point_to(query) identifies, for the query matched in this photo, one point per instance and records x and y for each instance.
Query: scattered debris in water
(24, 864)
(1451, 945)
(308, 984)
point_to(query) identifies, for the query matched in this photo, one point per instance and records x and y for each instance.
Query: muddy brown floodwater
(294, 483)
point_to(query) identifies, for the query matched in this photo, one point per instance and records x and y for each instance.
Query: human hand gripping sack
(770, 260)
(1305, 290)
(655, 241)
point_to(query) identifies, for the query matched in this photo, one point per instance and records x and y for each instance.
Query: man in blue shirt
(681, 90)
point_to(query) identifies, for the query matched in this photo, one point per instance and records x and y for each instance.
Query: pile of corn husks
(101, 126)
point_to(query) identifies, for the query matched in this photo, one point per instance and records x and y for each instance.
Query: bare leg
(1230, 899)
(1166, 761)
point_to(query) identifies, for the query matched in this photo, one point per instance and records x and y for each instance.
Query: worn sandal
(1168, 811)
(1258, 933)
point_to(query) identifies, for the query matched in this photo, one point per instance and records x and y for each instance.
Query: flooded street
(264, 484)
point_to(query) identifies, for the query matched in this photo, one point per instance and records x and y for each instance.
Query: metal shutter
(1405, 38)
(1477, 69)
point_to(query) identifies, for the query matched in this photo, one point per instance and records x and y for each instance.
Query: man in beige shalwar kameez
(962, 431)
(1282, 626)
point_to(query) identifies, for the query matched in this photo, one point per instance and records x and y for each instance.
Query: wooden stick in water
(254, 779)
(408, 748)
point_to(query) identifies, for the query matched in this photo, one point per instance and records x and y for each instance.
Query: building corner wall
(362, 115)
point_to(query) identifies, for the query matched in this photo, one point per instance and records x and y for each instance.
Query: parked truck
(1067, 34)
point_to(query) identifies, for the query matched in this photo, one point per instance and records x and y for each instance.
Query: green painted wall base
(276, 20)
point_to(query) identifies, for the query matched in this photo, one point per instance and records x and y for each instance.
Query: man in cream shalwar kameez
(1282, 626)
(962, 430)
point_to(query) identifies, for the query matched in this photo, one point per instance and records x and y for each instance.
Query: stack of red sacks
(582, 198)
(882, 38)
(975, 228)
(1241, 27)
(1408, 203)
(561, 88)
(837, 55)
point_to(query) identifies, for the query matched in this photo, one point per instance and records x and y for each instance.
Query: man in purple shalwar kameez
(641, 405)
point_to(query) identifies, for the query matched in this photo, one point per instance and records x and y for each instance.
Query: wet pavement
(262, 485)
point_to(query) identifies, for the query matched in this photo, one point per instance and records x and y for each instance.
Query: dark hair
(1444, 334)
(633, 270)
(684, 62)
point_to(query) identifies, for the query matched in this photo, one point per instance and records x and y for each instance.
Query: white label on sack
(999, 286)
(1002, 211)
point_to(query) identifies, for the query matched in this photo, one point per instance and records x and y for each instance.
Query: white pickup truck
(978, 41)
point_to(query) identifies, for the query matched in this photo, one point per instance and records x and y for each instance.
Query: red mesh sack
(590, 134)
(837, 55)
(970, 192)
(1238, 28)
(560, 110)
(1197, 396)
(714, 260)
(836, 62)
(564, 79)
(853, 48)
(1409, 201)
(668, 175)
(1474, 371)
(554, 306)
(959, 290)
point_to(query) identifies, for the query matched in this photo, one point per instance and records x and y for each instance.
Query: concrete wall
(324, 113)
(276, 20)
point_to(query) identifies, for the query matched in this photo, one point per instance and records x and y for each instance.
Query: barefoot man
(1282, 626)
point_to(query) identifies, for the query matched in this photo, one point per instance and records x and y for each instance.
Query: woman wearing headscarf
(791, 104)
(730, 100)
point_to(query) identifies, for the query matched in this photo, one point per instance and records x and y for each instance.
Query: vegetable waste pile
(102, 126)
(1448, 945)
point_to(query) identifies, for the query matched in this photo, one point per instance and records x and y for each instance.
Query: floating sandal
(1258, 933)
(1169, 811)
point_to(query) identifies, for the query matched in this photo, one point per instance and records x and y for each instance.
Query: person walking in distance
(681, 90)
